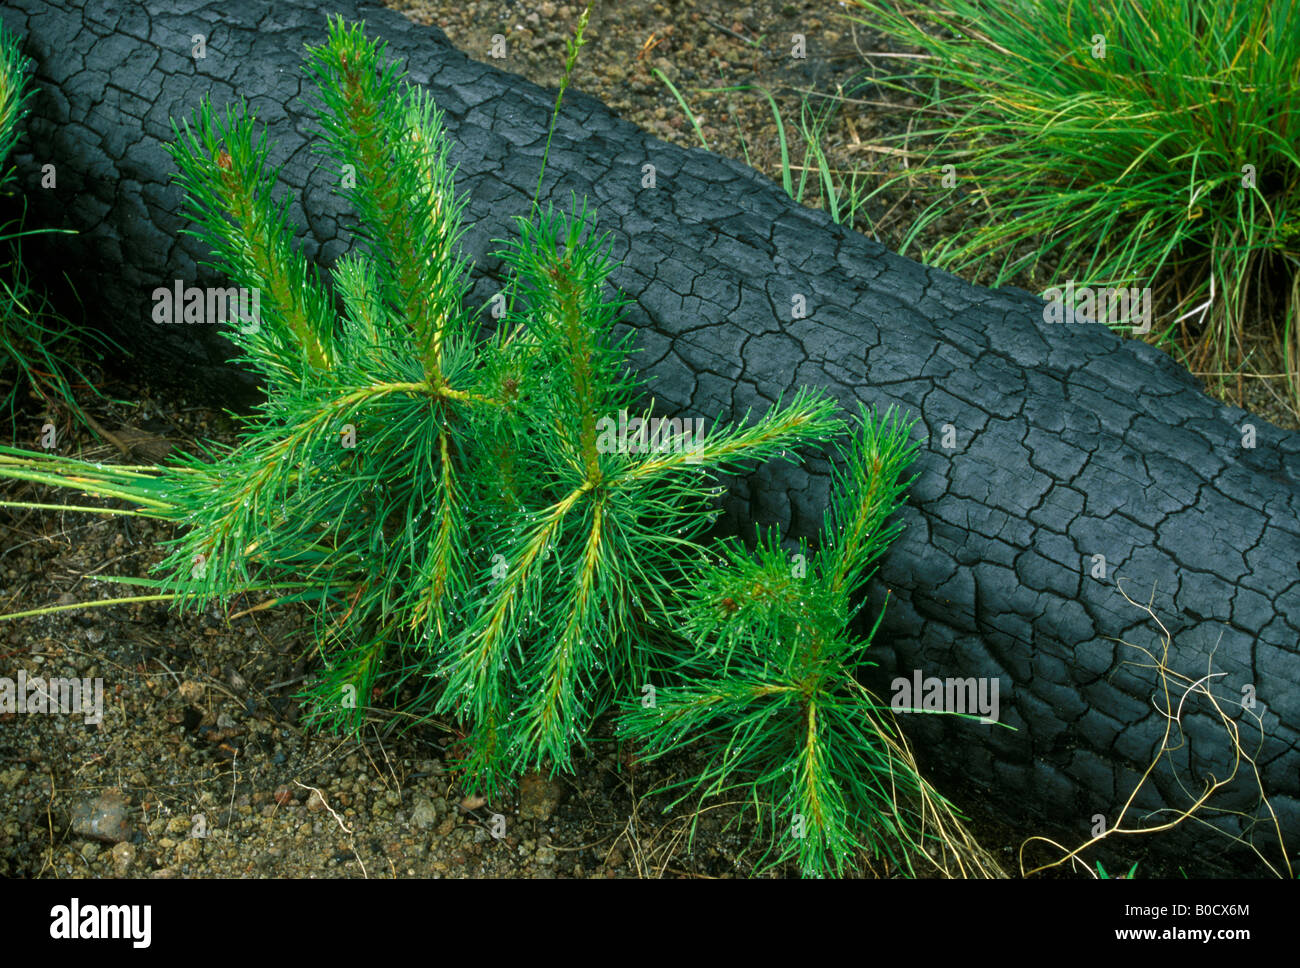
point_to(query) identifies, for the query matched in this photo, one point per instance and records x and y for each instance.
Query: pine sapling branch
(228, 192)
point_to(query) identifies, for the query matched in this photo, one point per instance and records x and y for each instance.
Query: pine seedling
(466, 516)
(770, 688)
(587, 571)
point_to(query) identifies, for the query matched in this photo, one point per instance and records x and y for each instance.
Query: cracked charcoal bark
(1069, 441)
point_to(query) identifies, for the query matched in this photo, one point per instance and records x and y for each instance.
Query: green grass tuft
(1119, 144)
